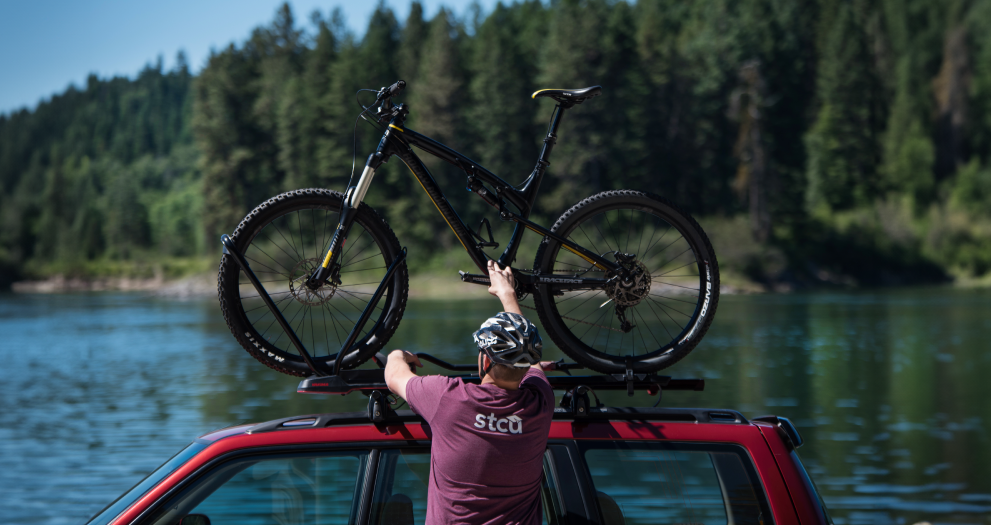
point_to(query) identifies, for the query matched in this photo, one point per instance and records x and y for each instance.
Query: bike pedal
(474, 278)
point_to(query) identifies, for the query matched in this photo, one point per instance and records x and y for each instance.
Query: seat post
(549, 141)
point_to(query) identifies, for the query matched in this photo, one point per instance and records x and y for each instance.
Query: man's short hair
(507, 373)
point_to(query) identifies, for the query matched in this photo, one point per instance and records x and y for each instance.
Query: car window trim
(371, 469)
(573, 488)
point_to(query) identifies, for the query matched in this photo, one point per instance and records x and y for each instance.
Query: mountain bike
(624, 281)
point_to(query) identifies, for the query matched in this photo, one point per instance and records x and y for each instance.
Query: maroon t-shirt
(486, 456)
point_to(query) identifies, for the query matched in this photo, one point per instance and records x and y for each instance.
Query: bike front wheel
(655, 317)
(283, 240)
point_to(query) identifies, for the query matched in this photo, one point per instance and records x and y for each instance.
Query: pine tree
(440, 84)
(843, 141)
(584, 48)
(414, 34)
(501, 112)
(316, 80)
(224, 131)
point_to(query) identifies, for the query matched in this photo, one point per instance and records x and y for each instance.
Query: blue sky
(48, 44)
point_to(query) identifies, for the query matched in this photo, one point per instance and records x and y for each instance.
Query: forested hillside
(828, 141)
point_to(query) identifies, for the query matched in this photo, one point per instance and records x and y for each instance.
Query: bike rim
(663, 310)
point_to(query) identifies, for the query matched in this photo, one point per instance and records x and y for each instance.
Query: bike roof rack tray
(577, 388)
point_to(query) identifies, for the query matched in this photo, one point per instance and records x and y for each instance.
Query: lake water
(890, 390)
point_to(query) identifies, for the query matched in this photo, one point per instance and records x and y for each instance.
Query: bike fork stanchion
(229, 249)
(369, 308)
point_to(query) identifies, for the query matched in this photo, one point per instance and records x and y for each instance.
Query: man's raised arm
(501, 286)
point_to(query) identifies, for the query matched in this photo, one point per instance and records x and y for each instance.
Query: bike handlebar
(391, 91)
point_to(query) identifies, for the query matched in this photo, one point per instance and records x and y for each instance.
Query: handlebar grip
(392, 90)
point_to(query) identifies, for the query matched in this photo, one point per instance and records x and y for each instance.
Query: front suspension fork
(329, 269)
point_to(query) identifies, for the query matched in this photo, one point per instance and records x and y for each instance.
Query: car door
(280, 486)
(651, 482)
(313, 485)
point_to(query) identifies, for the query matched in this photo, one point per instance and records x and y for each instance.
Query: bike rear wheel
(283, 240)
(667, 308)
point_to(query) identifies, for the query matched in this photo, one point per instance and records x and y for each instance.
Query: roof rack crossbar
(368, 380)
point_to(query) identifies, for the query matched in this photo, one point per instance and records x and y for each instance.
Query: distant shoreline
(200, 285)
(429, 286)
(424, 286)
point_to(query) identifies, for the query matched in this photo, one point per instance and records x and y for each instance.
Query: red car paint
(789, 493)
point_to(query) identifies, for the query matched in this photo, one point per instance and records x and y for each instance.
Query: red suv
(602, 466)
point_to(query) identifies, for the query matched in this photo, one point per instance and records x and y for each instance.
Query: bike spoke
(676, 269)
(661, 321)
(574, 296)
(273, 317)
(364, 269)
(673, 309)
(629, 230)
(590, 241)
(354, 242)
(270, 294)
(270, 257)
(299, 227)
(643, 228)
(365, 259)
(693, 303)
(678, 286)
(658, 241)
(580, 304)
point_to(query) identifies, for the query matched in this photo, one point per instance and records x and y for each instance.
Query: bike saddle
(569, 96)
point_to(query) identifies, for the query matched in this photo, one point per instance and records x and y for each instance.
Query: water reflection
(888, 389)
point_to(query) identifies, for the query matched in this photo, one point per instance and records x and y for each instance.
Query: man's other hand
(545, 366)
(399, 370)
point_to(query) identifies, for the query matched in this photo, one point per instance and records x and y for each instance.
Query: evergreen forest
(819, 142)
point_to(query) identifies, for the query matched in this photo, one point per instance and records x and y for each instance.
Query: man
(486, 459)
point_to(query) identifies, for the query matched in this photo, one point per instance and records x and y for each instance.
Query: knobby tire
(283, 239)
(669, 312)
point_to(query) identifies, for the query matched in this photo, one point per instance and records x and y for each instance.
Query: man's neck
(501, 383)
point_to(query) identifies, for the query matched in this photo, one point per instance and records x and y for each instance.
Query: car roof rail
(680, 415)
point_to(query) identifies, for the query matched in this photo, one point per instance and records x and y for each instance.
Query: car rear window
(671, 483)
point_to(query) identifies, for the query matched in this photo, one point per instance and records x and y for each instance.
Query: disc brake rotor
(633, 289)
(302, 293)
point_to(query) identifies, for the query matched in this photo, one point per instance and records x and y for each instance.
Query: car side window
(277, 490)
(648, 483)
(400, 496)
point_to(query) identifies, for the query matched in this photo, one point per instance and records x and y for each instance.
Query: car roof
(403, 417)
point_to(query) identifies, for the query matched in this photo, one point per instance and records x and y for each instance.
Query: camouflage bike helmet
(509, 339)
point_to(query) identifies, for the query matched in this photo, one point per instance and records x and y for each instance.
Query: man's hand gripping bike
(623, 281)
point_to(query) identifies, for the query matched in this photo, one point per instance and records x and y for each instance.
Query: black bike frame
(396, 141)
